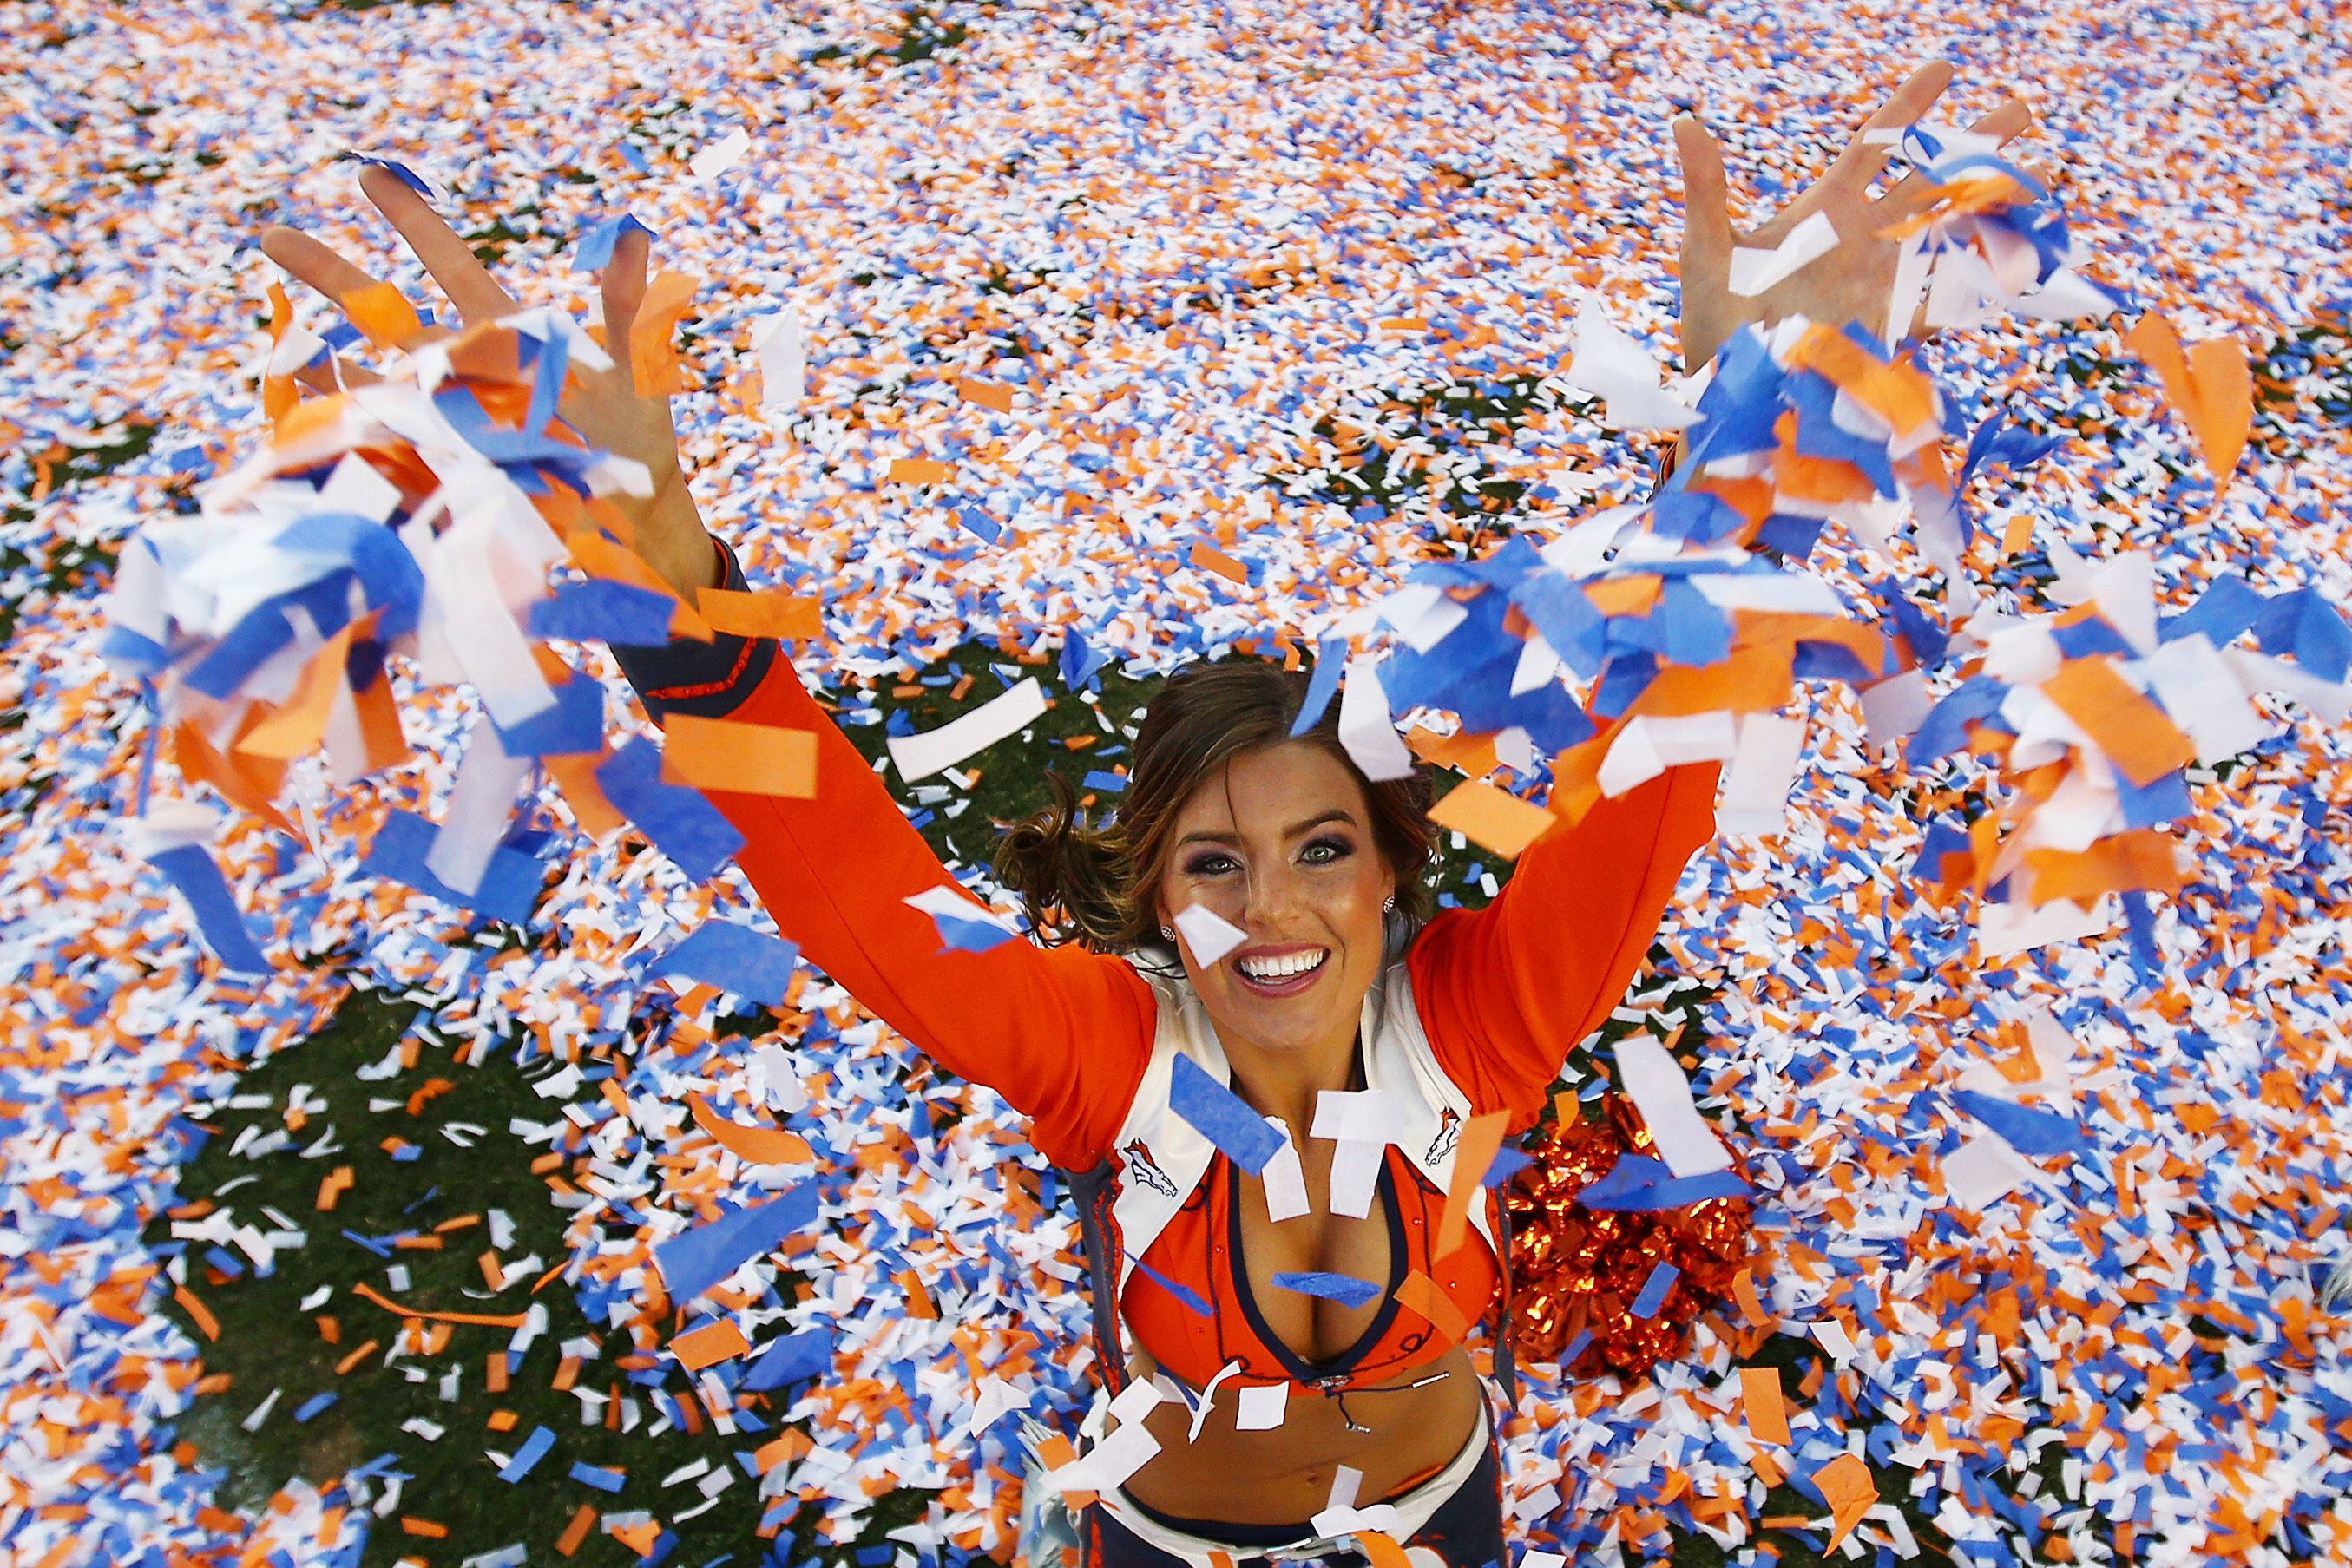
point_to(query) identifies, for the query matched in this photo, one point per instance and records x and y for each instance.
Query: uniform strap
(1506, 1366)
(1095, 1190)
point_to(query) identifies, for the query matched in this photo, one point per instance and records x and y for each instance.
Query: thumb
(623, 285)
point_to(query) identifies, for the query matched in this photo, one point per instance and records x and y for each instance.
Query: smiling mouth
(1283, 984)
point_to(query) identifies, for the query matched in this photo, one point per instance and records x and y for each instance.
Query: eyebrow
(1337, 814)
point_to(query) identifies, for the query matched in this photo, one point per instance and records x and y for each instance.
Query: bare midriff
(1283, 1476)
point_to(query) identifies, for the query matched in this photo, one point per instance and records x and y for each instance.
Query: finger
(1707, 214)
(453, 266)
(1868, 152)
(623, 281)
(2004, 124)
(314, 263)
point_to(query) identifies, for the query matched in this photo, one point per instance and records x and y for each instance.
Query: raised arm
(1506, 991)
(1062, 1033)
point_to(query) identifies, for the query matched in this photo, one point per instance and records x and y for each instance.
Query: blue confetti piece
(1637, 1184)
(2303, 624)
(1223, 1117)
(1344, 1289)
(979, 523)
(1653, 1290)
(693, 1262)
(2027, 1130)
(796, 1358)
(311, 1406)
(192, 870)
(509, 889)
(573, 726)
(602, 611)
(593, 252)
(1183, 1293)
(750, 964)
(1330, 656)
(534, 1448)
(1509, 1161)
(1081, 660)
(596, 1476)
(960, 936)
(681, 824)
(404, 173)
(1115, 783)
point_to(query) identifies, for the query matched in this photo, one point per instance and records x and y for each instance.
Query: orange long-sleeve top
(1063, 1034)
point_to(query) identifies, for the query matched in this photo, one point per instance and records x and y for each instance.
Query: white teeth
(1281, 969)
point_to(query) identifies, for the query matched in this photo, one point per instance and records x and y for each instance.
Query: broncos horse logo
(1449, 1132)
(1140, 1168)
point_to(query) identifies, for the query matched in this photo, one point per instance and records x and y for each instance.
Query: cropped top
(1065, 1034)
(1202, 1249)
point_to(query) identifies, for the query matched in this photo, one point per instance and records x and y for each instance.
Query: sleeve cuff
(706, 679)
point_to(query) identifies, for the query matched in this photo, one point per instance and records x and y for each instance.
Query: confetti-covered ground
(1294, 282)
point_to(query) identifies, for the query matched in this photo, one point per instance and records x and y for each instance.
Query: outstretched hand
(1855, 282)
(604, 406)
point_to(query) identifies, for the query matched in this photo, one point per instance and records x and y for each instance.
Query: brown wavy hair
(1093, 884)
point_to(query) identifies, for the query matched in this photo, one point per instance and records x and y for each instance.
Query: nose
(1277, 894)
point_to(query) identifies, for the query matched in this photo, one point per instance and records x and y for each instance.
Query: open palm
(1855, 282)
(604, 406)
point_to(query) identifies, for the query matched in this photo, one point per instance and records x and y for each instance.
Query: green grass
(268, 1341)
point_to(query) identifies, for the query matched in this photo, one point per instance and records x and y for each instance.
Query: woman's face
(1279, 842)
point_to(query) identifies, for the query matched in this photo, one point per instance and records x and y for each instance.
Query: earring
(1169, 935)
(1391, 905)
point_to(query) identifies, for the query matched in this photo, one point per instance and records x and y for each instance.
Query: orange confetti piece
(206, 1324)
(1382, 1550)
(639, 1538)
(332, 1185)
(788, 615)
(577, 777)
(994, 395)
(652, 360)
(783, 1451)
(1492, 819)
(709, 1345)
(424, 1527)
(1472, 754)
(1473, 1156)
(743, 759)
(1759, 1399)
(482, 1319)
(382, 315)
(755, 1145)
(1743, 1286)
(2137, 735)
(353, 1358)
(1632, 594)
(577, 1531)
(918, 471)
(1208, 558)
(1422, 1295)
(2209, 384)
(2142, 859)
(1896, 393)
(1846, 1482)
